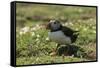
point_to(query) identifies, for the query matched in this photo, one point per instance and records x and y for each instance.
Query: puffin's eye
(55, 22)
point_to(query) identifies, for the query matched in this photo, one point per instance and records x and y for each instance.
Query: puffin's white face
(54, 24)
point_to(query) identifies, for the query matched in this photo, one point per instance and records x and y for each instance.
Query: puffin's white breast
(59, 37)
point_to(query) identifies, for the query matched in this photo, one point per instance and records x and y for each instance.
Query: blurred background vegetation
(32, 42)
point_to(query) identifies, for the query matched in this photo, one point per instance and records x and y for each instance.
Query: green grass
(32, 43)
(47, 60)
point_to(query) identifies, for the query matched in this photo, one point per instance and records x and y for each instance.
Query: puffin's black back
(71, 33)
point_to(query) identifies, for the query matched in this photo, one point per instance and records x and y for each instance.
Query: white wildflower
(79, 21)
(33, 33)
(76, 29)
(94, 27)
(37, 59)
(91, 19)
(37, 39)
(37, 25)
(47, 39)
(66, 23)
(94, 31)
(20, 33)
(25, 29)
(71, 23)
(85, 29)
(72, 55)
(38, 35)
(33, 29)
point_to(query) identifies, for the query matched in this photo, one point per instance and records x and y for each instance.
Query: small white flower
(76, 29)
(91, 19)
(25, 29)
(37, 59)
(38, 35)
(72, 55)
(33, 29)
(71, 23)
(33, 33)
(94, 27)
(94, 31)
(37, 39)
(20, 33)
(47, 38)
(37, 25)
(85, 29)
(66, 24)
(79, 20)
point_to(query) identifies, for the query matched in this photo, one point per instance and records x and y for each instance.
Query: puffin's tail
(74, 36)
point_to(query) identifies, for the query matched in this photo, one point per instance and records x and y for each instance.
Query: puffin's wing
(71, 33)
(67, 31)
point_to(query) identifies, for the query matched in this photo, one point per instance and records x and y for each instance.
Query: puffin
(60, 34)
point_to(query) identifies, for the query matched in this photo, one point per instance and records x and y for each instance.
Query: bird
(60, 34)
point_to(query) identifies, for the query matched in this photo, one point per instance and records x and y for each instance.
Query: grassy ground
(33, 45)
(47, 60)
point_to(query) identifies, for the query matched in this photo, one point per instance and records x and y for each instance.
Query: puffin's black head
(54, 25)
